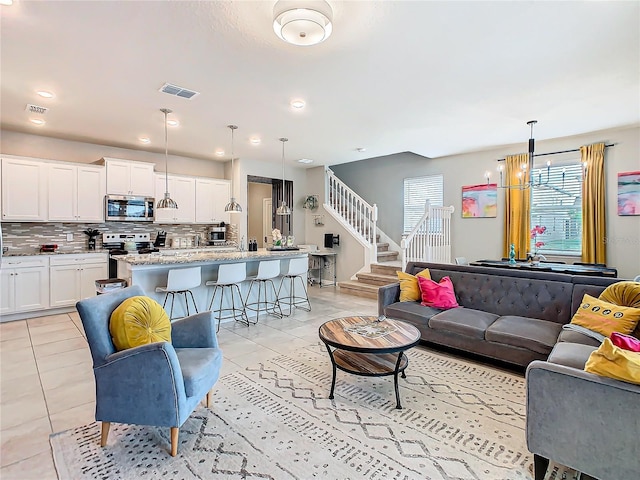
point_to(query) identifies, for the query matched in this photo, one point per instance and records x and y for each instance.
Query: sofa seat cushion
(570, 336)
(196, 365)
(531, 333)
(411, 312)
(571, 354)
(465, 321)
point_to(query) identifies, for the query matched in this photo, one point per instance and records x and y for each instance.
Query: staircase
(382, 273)
(368, 283)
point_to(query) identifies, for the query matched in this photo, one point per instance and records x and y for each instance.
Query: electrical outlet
(69, 237)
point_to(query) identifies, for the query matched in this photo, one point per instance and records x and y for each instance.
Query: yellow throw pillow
(604, 317)
(139, 321)
(625, 293)
(409, 289)
(614, 362)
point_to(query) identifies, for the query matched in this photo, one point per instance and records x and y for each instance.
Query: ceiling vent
(36, 109)
(178, 91)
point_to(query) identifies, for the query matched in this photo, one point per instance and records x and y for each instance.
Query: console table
(593, 270)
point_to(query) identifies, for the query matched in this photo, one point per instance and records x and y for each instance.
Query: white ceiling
(434, 78)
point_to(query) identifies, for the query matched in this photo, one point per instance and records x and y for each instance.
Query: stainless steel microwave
(127, 208)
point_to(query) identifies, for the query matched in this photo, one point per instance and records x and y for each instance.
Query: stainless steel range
(123, 244)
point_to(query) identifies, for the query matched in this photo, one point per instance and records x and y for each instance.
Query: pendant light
(232, 206)
(167, 201)
(283, 209)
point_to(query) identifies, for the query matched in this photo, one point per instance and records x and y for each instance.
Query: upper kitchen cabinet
(24, 190)
(183, 191)
(212, 195)
(126, 177)
(76, 193)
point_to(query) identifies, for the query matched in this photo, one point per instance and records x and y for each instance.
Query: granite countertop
(28, 253)
(205, 256)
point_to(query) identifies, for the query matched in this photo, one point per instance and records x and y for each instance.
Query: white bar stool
(180, 281)
(229, 275)
(267, 271)
(298, 267)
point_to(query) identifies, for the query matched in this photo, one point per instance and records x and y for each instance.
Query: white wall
(23, 144)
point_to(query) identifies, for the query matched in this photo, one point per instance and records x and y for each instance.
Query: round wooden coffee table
(365, 346)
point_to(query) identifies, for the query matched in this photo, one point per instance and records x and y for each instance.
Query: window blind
(417, 191)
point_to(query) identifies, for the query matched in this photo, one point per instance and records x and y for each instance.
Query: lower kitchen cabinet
(73, 277)
(25, 284)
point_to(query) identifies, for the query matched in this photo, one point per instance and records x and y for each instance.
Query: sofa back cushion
(506, 295)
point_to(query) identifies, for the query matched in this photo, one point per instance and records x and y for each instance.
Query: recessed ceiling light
(173, 123)
(144, 140)
(255, 141)
(45, 94)
(298, 103)
(219, 153)
(361, 149)
(305, 160)
(37, 121)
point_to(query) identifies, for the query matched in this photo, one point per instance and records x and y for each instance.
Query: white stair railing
(430, 239)
(357, 215)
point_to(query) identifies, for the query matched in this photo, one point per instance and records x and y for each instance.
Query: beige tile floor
(47, 380)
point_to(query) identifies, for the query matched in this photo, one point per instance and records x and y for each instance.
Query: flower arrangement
(277, 237)
(535, 231)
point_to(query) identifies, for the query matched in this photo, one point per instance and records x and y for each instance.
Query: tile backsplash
(29, 236)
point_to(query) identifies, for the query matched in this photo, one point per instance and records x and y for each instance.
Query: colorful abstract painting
(629, 193)
(480, 201)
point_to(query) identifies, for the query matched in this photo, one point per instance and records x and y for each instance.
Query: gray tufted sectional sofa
(575, 418)
(510, 315)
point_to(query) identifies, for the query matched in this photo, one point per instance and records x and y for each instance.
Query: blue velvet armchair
(157, 384)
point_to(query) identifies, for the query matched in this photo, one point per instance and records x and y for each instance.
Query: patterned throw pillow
(409, 289)
(614, 362)
(604, 317)
(626, 294)
(437, 295)
(139, 321)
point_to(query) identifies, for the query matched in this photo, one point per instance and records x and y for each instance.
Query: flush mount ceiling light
(305, 160)
(220, 153)
(255, 141)
(298, 104)
(144, 140)
(37, 121)
(302, 23)
(232, 206)
(173, 123)
(45, 94)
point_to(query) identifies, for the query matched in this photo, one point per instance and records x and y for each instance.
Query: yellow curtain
(517, 223)
(593, 205)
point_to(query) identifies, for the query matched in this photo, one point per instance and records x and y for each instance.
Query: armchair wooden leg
(104, 434)
(174, 440)
(208, 397)
(540, 465)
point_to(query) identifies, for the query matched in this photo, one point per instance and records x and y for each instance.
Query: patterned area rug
(460, 421)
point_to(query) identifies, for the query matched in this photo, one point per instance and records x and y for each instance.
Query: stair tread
(377, 279)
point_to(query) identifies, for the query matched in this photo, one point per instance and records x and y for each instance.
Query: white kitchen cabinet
(73, 277)
(25, 284)
(212, 195)
(183, 191)
(24, 190)
(125, 177)
(76, 192)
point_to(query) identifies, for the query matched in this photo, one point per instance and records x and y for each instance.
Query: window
(557, 205)
(417, 191)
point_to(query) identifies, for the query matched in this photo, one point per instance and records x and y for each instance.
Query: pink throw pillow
(626, 342)
(437, 295)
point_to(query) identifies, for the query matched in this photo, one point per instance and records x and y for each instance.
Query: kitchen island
(151, 270)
